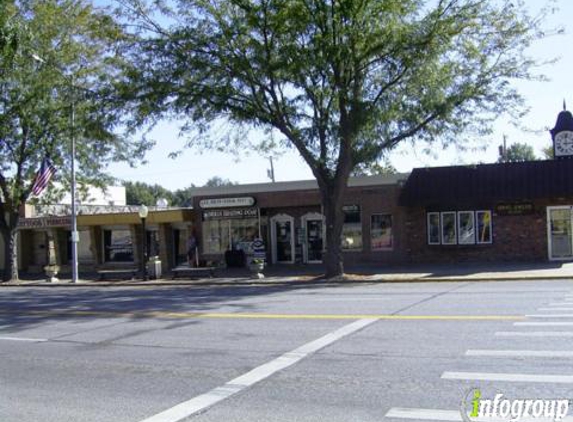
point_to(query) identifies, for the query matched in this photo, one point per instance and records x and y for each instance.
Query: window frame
(429, 231)
(490, 225)
(473, 240)
(455, 236)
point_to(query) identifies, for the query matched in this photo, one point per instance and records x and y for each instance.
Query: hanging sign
(246, 201)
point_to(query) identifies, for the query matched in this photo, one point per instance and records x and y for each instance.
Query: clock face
(564, 143)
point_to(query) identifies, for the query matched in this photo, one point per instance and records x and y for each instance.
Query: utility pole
(271, 172)
(503, 150)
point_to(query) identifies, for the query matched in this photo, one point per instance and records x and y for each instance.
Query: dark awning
(486, 183)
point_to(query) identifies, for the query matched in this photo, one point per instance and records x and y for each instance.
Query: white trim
(428, 214)
(442, 214)
(548, 225)
(312, 216)
(281, 218)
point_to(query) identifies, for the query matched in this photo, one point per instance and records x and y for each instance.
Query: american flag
(43, 176)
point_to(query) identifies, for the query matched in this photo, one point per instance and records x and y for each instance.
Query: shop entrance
(560, 240)
(313, 225)
(282, 239)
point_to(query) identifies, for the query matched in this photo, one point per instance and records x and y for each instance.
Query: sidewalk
(307, 275)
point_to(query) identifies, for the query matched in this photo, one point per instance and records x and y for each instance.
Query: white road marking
(542, 324)
(550, 316)
(534, 333)
(199, 403)
(33, 340)
(560, 304)
(452, 415)
(522, 353)
(554, 309)
(509, 377)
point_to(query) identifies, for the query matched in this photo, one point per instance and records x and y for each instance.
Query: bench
(118, 273)
(192, 271)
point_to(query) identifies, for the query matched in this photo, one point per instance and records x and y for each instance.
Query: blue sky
(543, 98)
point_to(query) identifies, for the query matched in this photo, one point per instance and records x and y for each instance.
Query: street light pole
(143, 210)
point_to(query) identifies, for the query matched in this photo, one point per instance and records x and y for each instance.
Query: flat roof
(383, 179)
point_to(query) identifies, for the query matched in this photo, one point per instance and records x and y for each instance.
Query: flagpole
(75, 235)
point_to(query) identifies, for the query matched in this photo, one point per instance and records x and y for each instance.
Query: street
(365, 352)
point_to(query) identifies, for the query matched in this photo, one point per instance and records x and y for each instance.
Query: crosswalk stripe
(508, 377)
(542, 324)
(534, 333)
(550, 316)
(521, 353)
(452, 416)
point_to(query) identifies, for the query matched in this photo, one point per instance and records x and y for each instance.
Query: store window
(448, 228)
(352, 228)
(466, 228)
(434, 228)
(483, 227)
(229, 234)
(459, 228)
(381, 232)
(118, 245)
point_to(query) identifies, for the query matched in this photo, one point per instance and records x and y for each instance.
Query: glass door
(314, 241)
(559, 233)
(282, 235)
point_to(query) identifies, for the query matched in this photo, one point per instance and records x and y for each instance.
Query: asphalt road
(380, 352)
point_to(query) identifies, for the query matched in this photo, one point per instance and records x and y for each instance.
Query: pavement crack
(427, 299)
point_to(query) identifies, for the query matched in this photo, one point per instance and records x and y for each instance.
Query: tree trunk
(10, 255)
(334, 219)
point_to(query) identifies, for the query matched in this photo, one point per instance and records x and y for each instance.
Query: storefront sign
(515, 208)
(44, 222)
(247, 201)
(230, 214)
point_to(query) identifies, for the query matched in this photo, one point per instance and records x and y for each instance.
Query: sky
(544, 100)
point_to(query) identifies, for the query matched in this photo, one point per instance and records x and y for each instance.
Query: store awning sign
(230, 214)
(245, 201)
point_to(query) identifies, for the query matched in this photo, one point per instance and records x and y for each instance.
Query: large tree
(341, 81)
(517, 152)
(55, 53)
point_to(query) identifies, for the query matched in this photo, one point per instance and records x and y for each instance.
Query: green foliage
(547, 153)
(373, 169)
(217, 181)
(141, 193)
(518, 152)
(58, 56)
(341, 81)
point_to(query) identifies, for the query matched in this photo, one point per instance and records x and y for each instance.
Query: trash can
(154, 268)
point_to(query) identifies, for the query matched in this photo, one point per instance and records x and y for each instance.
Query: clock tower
(562, 135)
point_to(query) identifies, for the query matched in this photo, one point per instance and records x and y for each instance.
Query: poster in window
(484, 226)
(448, 228)
(434, 228)
(466, 228)
(381, 231)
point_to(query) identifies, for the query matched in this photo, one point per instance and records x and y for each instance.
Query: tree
(517, 152)
(341, 81)
(55, 53)
(372, 169)
(547, 153)
(217, 181)
(141, 193)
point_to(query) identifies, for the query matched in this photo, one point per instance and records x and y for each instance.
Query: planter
(51, 272)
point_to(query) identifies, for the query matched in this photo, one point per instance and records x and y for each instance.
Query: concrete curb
(282, 281)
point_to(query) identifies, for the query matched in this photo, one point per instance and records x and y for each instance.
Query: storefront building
(288, 217)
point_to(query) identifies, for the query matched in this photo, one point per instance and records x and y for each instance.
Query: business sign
(246, 201)
(521, 208)
(44, 222)
(230, 214)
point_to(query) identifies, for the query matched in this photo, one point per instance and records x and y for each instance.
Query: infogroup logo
(476, 408)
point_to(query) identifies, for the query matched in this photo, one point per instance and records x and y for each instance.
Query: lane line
(554, 309)
(534, 333)
(203, 401)
(543, 324)
(560, 304)
(223, 315)
(508, 377)
(521, 353)
(550, 316)
(453, 415)
(32, 340)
